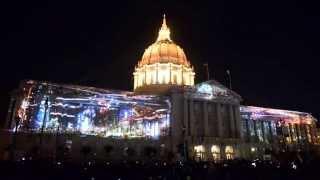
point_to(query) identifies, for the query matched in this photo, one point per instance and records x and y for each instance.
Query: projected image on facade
(92, 111)
(265, 124)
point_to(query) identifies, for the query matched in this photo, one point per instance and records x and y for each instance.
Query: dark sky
(271, 47)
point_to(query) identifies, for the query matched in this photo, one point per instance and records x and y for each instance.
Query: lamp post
(185, 144)
(206, 65)
(229, 76)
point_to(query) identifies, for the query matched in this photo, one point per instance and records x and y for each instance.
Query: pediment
(214, 89)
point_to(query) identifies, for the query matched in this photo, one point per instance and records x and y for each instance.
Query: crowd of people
(191, 170)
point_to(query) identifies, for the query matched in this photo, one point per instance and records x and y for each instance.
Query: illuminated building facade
(163, 63)
(91, 111)
(166, 111)
(274, 129)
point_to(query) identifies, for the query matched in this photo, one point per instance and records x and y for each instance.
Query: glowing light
(85, 124)
(163, 62)
(229, 149)
(24, 104)
(61, 114)
(90, 112)
(205, 88)
(163, 73)
(285, 116)
(199, 151)
(253, 149)
(254, 164)
(210, 89)
(164, 33)
(215, 149)
(66, 105)
(229, 152)
(199, 148)
(73, 99)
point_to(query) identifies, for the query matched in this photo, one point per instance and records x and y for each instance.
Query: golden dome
(163, 65)
(164, 50)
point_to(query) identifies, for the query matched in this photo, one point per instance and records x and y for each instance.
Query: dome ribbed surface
(164, 52)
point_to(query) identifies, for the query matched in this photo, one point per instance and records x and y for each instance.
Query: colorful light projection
(211, 90)
(107, 114)
(284, 116)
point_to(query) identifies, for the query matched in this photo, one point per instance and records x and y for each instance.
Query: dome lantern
(164, 33)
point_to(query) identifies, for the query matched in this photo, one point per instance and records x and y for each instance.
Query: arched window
(175, 79)
(199, 152)
(215, 150)
(229, 152)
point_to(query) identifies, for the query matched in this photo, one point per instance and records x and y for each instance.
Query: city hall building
(167, 114)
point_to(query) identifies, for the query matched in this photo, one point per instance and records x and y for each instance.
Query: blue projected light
(108, 114)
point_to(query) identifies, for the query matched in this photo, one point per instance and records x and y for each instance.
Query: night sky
(271, 48)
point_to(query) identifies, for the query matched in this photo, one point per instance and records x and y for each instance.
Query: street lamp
(229, 76)
(206, 65)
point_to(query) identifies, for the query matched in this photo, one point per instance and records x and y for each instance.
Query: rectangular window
(259, 131)
(252, 130)
(244, 129)
(266, 131)
(273, 128)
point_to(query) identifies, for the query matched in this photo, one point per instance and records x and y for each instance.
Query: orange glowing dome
(163, 64)
(164, 50)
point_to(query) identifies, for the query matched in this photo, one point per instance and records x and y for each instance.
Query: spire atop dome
(164, 33)
(164, 22)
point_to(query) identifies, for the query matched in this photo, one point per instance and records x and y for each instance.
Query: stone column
(231, 122)
(205, 118)
(157, 72)
(290, 132)
(312, 133)
(270, 132)
(237, 120)
(263, 131)
(222, 152)
(306, 134)
(170, 80)
(256, 136)
(303, 133)
(298, 133)
(295, 133)
(135, 81)
(248, 133)
(191, 118)
(185, 116)
(145, 75)
(182, 81)
(208, 154)
(220, 128)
